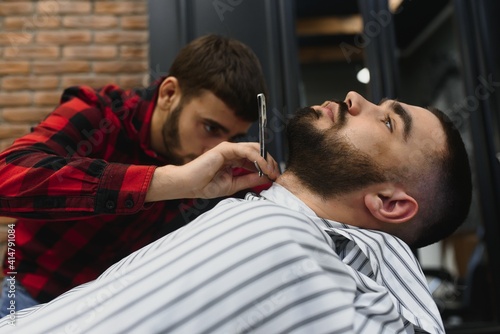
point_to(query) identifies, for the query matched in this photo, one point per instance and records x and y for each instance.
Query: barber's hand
(211, 175)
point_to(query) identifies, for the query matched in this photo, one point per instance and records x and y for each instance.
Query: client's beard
(324, 161)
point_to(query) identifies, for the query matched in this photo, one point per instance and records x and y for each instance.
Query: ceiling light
(363, 75)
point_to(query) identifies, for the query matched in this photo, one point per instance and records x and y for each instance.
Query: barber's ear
(168, 93)
(391, 205)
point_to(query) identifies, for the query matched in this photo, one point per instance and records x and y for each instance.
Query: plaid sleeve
(59, 170)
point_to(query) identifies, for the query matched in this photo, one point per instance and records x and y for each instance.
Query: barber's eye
(209, 128)
(212, 130)
(388, 123)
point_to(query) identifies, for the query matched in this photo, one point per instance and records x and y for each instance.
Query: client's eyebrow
(405, 116)
(398, 109)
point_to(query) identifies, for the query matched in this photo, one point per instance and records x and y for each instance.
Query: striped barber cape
(266, 264)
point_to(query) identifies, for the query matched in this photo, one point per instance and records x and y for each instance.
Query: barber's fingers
(246, 155)
(247, 181)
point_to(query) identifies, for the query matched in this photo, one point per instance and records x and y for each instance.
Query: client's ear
(391, 205)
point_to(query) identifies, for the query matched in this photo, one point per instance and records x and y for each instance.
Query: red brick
(30, 82)
(14, 67)
(54, 67)
(121, 37)
(31, 23)
(17, 23)
(90, 22)
(25, 114)
(15, 99)
(90, 52)
(13, 130)
(35, 52)
(15, 38)
(64, 7)
(92, 81)
(46, 98)
(136, 22)
(64, 37)
(133, 81)
(122, 7)
(120, 67)
(133, 52)
(14, 8)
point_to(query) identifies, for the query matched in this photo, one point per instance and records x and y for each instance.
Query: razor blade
(261, 102)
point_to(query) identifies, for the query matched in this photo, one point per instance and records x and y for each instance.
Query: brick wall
(48, 45)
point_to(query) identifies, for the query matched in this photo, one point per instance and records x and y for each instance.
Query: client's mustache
(305, 111)
(343, 110)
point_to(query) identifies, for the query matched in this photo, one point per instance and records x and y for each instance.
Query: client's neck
(346, 208)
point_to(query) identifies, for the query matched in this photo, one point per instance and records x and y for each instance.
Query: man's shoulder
(257, 207)
(100, 102)
(253, 201)
(92, 96)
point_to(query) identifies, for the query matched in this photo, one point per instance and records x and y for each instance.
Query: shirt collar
(281, 196)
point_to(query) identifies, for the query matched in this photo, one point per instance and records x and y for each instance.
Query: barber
(110, 170)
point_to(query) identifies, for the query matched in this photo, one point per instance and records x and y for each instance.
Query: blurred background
(427, 52)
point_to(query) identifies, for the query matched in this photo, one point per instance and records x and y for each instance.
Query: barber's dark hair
(224, 66)
(447, 205)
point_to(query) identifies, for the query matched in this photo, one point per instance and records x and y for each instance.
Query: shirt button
(129, 203)
(110, 205)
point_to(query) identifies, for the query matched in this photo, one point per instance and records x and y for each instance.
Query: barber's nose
(355, 102)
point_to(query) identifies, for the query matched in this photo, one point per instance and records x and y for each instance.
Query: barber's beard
(171, 138)
(325, 161)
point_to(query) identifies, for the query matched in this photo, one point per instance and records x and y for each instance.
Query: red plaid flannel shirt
(77, 185)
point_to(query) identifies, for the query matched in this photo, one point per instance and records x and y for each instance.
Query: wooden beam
(322, 54)
(394, 5)
(336, 25)
(331, 25)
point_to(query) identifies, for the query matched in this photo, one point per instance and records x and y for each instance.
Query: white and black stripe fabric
(260, 265)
